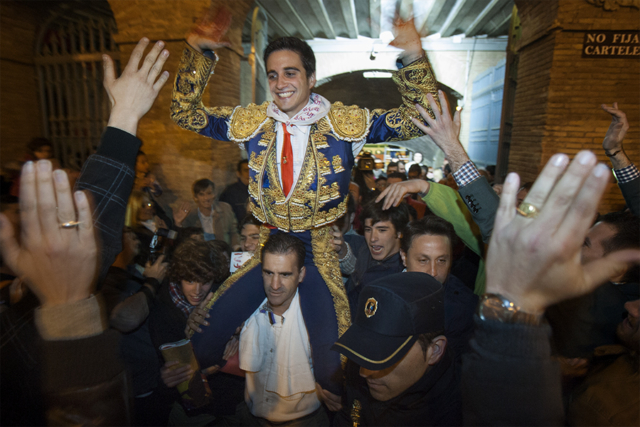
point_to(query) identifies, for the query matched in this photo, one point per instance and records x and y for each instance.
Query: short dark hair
(627, 236)
(201, 185)
(198, 261)
(296, 45)
(284, 244)
(398, 215)
(426, 339)
(248, 219)
(240, 163)
(36, 143)
(415, 168)
(398, 175)
(431, 225)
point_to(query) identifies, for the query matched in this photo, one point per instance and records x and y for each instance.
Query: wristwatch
(498, 308)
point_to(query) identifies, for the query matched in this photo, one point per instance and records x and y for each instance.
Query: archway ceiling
(329, 19)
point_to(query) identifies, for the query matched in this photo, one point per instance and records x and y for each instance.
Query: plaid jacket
(109, 176)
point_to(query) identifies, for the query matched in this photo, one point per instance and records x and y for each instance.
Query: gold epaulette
(246, 121)
(349, 123)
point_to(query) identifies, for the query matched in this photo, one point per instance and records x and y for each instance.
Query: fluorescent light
(376, 75)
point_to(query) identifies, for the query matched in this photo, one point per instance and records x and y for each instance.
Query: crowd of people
(309, 293)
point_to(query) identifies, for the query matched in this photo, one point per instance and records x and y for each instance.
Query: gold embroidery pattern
(187, 110)
(303, 209)
(268, 136)
(414, 82)
(323, 125)
(337, 164)
(273, 198)
(324, 166)
(326, 260)
(320, 140)
(254, 261)
(245, 122)
(349, 123)
(405, 128)
(220, 112)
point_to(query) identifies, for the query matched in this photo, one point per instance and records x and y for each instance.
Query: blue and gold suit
(318, 199)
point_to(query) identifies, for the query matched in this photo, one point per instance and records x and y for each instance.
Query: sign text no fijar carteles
(611, 44)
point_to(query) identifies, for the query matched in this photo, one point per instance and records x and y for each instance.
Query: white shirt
(206, 221)
(299, 128)
(280, 385)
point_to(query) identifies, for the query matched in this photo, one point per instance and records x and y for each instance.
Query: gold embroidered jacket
(319, 196)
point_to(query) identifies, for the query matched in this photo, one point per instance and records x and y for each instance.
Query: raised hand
(612, 143)
(181, 213)
(133, 93)
(57, 256)
(393, 194)
(443, 130)
(407, 39)
(617, 129)
(535, 262)
(209, 33)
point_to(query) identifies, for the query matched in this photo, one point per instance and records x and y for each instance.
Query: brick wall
(559, 93)
(20, 118)
(179, 157)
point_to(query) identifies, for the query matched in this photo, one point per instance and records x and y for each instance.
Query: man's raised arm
(196, 67)
(109, 174)
(626, 172)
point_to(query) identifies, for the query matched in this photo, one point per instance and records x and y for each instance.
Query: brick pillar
(179, 157)
(558, 97)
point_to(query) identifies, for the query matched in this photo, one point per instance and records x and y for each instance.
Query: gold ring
(527, 210)
(70, 224)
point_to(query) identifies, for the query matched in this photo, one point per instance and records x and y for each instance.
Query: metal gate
(74, 104)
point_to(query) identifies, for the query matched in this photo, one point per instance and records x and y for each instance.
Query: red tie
(287, 162)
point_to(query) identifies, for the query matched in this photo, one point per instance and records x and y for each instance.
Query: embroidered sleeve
(187, 110)
(414, 82)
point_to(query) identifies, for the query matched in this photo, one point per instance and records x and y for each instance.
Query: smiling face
(249, 237)
(288, 81)
(281, 276)
(429, 254)
(194, 292)
(382, 239)
(204, 199)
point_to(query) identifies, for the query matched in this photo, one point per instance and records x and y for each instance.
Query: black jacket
(434, 400)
